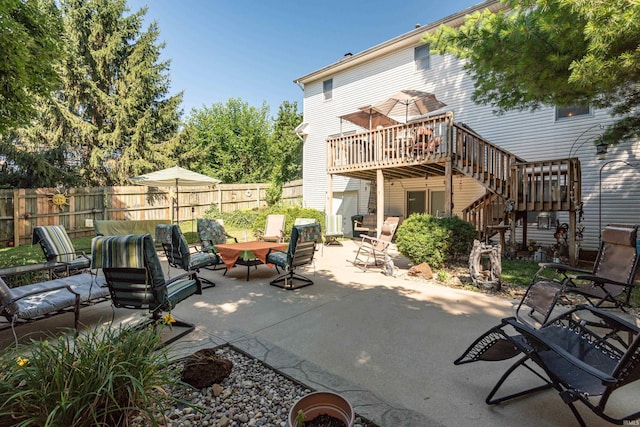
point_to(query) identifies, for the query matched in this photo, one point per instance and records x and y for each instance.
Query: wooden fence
(76, 208)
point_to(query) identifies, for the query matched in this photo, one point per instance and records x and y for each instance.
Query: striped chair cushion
(55, 242)
(118, 251)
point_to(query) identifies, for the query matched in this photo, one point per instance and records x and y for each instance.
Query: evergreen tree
(285, 150)
(111, 115)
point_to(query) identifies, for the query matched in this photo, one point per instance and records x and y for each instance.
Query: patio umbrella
(410, 102)
(369, 118)
(174, 176)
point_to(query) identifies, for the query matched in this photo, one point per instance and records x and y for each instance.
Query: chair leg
(286, 281)
(522, 362)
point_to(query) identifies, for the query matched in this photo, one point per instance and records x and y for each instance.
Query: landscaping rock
(421, 270)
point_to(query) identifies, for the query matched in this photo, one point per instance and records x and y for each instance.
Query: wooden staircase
(514, 186)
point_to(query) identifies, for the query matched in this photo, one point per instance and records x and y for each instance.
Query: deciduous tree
(554, 52)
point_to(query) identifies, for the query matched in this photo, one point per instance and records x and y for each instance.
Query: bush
(242, 219)
(291, 213)
(424, 238)
(98, 378)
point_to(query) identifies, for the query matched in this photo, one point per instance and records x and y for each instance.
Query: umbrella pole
(177, 203)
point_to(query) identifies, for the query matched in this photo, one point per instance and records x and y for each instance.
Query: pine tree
(111, 115)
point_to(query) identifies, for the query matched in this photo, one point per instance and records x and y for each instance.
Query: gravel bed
(253, 395)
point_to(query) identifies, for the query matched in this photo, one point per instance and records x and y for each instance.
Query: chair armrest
(599, 280)
(531, 333)
(180, 276)
(228, 236)
(562, 267)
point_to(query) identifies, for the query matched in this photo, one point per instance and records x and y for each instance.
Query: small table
(247, 253)
(31, 268)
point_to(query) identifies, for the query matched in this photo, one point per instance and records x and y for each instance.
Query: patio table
(247, 253)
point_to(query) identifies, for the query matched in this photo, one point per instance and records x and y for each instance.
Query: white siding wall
(530, 135)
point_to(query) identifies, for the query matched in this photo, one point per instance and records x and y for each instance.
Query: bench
(109, 227)
(37, 301)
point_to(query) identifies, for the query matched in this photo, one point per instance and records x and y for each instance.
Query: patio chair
(302, 247)
(273, 229)
(135, 279)
(178, 254)
(607, 285)
(333, 229)
(56, 245)
(211, 232)
(581, 362)
(373, 249)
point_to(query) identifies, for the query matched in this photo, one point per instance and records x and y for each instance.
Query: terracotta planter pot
(322, 402)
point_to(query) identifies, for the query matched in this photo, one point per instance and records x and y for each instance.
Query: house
(528, 169)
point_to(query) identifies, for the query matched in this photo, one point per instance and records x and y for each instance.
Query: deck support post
(379, 200)
(573, 258)
(448, 187)
(329, 201)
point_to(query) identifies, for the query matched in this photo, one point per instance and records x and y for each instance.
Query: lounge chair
(56, 245)
(135, 279)
(28, 303)
(333, 229)
(273, 229)
(607, 285)
(583, 362)
(371, 250)
(178, 254)
(302, 247)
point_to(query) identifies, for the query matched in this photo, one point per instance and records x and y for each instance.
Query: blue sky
(255, 49)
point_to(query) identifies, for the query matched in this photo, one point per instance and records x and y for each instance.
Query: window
(572, 111)
(421, 56)
(327, 89)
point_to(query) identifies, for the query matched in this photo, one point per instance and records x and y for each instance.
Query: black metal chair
(583, 361)
(178, 254)
(607, 285)
(135, 279)
(211, 232)
(302, 247)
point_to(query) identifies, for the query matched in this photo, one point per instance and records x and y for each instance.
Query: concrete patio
(385, 343)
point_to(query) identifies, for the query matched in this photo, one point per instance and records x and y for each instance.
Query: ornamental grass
(100, 378)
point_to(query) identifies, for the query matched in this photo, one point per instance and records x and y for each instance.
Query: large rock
(421, 270)
(204, 368)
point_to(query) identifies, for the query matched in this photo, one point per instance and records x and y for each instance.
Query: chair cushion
(620, 235)
(279, 258)
(89, 287)
(202, 259)
(178, 291)
(55, 242)
(118, 251)
(211, 230)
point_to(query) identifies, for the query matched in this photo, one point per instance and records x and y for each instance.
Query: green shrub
(242, 219)
(97, 378)
(291, 213)
(424, 238)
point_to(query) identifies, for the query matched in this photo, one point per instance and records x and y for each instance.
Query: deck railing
(390, 146)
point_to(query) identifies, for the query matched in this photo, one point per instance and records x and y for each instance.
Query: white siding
(530, 135)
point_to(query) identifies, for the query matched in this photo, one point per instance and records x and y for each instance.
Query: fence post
(16, 217)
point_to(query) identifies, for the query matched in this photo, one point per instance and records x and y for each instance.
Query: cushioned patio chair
(607, 285)
(211, 232)
(302, 247)
(56, 245)
(273, 229)
(371, 250)
(582, 362)
(333, 229)
(178, 254)
(135, 279)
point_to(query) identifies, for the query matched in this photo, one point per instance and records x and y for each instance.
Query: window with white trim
(572, 111)
(422, 57)
(327, 89)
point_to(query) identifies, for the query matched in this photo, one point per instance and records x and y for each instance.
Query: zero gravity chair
(607, 285)
(135, 279)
